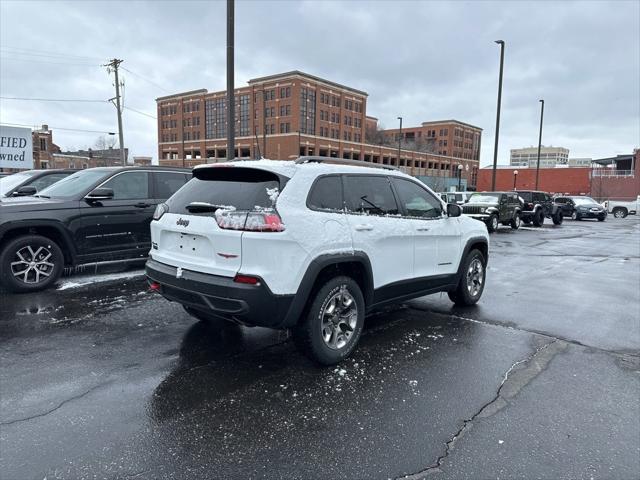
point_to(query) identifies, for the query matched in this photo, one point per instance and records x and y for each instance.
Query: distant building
(43, 148)
(290, 114)
(580, 162)
(549, 157)
(107, 157)
(142, 161)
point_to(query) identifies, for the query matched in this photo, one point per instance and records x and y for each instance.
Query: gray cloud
(421, 60)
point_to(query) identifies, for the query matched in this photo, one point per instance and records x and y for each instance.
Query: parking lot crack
(517, 376)
(57, 407)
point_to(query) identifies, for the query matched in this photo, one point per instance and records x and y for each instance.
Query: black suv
(30, 182)
(494, 208)
(95, 215)
(579, 207)
(538, 206)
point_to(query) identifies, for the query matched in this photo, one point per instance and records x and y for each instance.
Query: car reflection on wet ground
(108, 380)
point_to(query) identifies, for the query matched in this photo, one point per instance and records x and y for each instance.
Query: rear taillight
(246, 279)
(256, 221)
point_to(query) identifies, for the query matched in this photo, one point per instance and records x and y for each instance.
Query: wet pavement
(103, 379)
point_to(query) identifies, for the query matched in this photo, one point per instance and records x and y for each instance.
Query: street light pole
(460, 167)
(399, 140)
(231, 108)
(515, 175)
(495, 147)
(539, 142)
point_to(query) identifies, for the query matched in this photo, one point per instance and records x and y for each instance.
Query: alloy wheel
(339, 319)
(475, 277)
(32, 266)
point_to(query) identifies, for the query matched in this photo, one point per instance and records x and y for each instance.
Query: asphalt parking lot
(103, 379)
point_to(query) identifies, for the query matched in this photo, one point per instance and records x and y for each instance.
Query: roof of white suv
(288, 168)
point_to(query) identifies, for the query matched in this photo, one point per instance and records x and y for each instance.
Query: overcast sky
(420, 60)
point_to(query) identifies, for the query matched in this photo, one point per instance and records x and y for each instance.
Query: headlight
(160, 210)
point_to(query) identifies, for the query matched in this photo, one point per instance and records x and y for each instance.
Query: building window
(43, 144)
(243, 107)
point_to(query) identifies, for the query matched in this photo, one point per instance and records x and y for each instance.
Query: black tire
(462, 296)
(602, 219)
(47, 269)
(309, 334)
(558, 218)
(492, 223)
(538, 218)
(620, 212)
(515, 222)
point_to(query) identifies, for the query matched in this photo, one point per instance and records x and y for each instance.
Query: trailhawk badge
(183, 222)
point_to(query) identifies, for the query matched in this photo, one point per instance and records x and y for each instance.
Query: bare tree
(105, 143)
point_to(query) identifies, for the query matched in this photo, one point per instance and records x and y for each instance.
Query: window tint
(371, 195)
(326, 194)
(416, 200)
(242, 188)
(46, 180)
(168, 183)
(129, 186)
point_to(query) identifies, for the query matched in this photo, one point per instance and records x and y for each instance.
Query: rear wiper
(204, 207)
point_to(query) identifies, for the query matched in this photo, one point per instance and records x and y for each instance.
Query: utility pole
(539, 142)
(495, 147)
(114, 64)
(231, 107)
(399, 140)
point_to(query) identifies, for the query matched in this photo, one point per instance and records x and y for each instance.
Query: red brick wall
(572, 181)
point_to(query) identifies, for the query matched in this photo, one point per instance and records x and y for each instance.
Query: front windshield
(73, 185)
(10, 182)
(583, 200)
(483, 198)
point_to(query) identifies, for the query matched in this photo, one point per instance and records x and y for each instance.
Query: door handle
(364, 227)
(142, 205)
(422, 229)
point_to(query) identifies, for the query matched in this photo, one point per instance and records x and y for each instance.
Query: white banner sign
(16, 147)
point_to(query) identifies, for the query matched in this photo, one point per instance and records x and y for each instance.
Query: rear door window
(370, 195)
(168, 183)
(235, 187)
(326, 194)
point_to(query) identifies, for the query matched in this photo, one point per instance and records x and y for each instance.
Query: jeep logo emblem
(184, 223)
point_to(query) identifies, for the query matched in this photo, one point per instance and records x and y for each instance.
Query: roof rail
(343, 161)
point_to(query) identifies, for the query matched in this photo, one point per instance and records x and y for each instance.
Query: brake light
(255, 221)
(246, 279)
(155, 286)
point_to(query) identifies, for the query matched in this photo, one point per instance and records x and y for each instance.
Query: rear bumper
(252, 305)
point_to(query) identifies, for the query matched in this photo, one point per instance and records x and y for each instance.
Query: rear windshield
(239, 188)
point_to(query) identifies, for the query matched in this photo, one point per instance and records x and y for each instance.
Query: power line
(145, 79)
(59, 128)
(33, 60)
(44, 53)
(53, 100)
(141, 113)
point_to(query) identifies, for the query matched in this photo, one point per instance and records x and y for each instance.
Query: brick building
(286, 115)
(43, 148)
(615, 178)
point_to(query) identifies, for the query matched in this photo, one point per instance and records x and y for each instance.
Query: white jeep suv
(311, 245)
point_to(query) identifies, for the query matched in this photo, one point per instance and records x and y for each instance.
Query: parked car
(621, 209)
(494, 208)
(92, 216)
(582, 207)
(310, 246)
(455, 197)
(30, 182)
(537, 206)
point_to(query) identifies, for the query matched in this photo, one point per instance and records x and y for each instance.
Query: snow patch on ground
(83, 280)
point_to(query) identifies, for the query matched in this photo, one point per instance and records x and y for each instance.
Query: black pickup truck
(538, 206)
(92, 216)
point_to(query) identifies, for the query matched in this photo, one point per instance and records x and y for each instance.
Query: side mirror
(25, 191)
(453, 210)
(99, 194)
